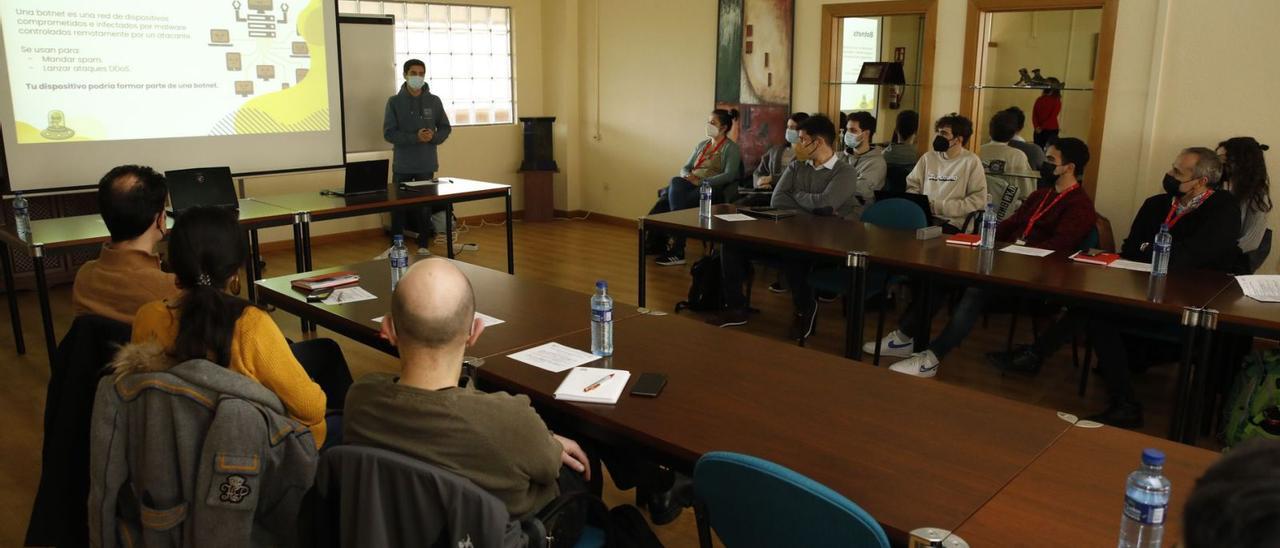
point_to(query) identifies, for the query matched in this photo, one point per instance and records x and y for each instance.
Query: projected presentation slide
(109, 70)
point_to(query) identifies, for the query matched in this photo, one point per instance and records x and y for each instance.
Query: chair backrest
(895, 177)
(895, 213)
(372, 497)
(1259, 256)
(1090, 240)
(754, 502)
(1106, 237)
(323, 360)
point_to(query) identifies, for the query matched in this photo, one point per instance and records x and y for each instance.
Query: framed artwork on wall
(753, 71)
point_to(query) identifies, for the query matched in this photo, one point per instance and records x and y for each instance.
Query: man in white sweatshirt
(950, 176)
(1011, 175)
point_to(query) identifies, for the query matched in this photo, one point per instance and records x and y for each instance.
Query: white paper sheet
(489, 321)
(347, 295)
(1024, 250)
(377, 320)
(554, 357)
(1131, 265)
(1261, 288)
(735, 217)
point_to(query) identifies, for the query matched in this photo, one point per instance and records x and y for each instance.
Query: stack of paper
(349, 295)
(325, 281)
(1024, 250)
(554, 357)
(593, 385)
(1260, 288)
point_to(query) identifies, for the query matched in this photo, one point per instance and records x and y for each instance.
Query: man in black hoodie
(1205, 225)
(416, 123)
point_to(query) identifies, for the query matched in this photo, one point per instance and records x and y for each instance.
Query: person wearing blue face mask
(772, 164)
(416, 123)
(867, 161)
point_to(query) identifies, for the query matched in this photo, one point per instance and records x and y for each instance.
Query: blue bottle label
(602, 315)
(1146, 514)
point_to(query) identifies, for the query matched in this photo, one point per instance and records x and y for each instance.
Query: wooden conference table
(913, 453)
(1178, 298)
(63, 234)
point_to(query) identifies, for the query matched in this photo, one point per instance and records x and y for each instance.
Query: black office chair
(895, 177)
(324, 362)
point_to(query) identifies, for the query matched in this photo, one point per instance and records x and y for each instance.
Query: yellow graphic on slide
(301, 107)
(58, 129)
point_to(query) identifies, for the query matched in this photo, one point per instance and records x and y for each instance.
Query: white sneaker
(921, 364)
(383, 256)
(424, 252)
(894, 344)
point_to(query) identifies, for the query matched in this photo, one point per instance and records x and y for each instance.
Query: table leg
(1199, 374)
(926, 310)
(306, 242)
(511, 246)
(1190, 332)
(11, 293)
(855, 303)
(251, 265)
(42, 288)
(299, 254)
(448, 230)
(640, 290)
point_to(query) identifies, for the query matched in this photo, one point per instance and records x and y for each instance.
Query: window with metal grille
(467, 50)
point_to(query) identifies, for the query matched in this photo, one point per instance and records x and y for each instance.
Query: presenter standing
(416, 123)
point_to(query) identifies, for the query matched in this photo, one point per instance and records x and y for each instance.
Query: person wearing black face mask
(1204, 224)
(951, 176)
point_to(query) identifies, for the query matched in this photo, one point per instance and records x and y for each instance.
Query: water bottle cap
(1164, 227)
(397, 238)
(1152, 457)
(601, 284)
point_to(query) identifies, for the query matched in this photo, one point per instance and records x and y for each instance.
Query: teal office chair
(749, 501)
(894, 213)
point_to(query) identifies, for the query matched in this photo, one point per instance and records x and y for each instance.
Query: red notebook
(1102, 259)
(326, 281)
(971, 240)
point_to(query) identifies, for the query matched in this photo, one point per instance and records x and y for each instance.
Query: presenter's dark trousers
(422, 216)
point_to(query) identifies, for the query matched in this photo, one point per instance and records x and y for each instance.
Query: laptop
(917, 199)
(364, 178)
(768, 212)
(201, 186)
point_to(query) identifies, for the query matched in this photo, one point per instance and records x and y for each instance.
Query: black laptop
(917, 199)
(202, 186)
(365, 178)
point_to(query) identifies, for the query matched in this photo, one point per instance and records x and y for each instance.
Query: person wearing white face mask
(867, 161)
(772, 164)
(716, 160)
(416, 123)
(950, 176)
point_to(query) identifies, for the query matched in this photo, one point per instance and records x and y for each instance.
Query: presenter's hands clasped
(425, 135)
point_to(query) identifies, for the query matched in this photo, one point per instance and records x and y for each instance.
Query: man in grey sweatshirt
(416, 123)
(816, 183)
(867, 161)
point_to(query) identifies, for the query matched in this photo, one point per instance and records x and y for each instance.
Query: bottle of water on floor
(705, 193)
(399, 257)
(21, 217)
(602, 320)
(1146, 499)
(988, 232)
(1160, 256)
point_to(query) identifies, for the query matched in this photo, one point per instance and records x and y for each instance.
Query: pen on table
(597, 384)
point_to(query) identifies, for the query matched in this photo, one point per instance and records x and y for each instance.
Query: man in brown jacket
(126, 274)
(496, 440)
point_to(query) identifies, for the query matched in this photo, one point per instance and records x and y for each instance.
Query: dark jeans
(681, 194)
(733, 272)
(1046, 137)
(423, 216)
(1107, 342)
(965, 315)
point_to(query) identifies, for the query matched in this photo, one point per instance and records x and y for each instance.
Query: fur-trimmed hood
(146, 357)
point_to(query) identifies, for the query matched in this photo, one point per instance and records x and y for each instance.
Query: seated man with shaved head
(496, 440)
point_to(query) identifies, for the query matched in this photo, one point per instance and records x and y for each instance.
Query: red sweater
(1062, 227)
(1044, 115)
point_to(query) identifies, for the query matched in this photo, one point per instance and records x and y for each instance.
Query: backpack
(704, 292)
(1253, 404)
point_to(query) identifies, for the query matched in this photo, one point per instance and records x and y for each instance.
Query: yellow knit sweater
(258, 351)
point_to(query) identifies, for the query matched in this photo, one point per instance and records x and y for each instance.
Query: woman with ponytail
(715, 160)
(1244, 174)
(207, 321)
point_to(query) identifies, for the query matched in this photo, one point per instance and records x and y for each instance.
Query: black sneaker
(776, 287)
(669, 259)
(1120, 414)
(802, 324)
(824, 297)
(1021, 360)
(730, 317)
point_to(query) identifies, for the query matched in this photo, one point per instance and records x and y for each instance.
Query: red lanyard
(707, 154)
(1171, 219)
(1042, 208)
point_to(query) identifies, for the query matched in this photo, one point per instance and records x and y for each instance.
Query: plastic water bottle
(1146, 499)
(988, 232)
(399, 257)
(602, 320)
(1163, 247)
(704, 200)
(21, 216)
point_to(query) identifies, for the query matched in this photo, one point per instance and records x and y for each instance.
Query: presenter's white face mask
(415, 82)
